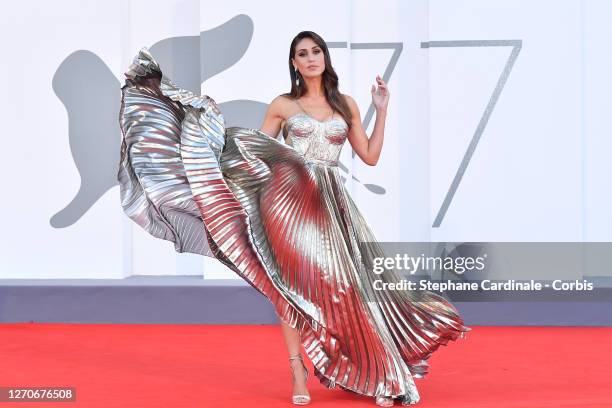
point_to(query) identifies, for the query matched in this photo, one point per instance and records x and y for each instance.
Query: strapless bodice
(318, 141)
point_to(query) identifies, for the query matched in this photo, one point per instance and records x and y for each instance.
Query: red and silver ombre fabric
(278, 215)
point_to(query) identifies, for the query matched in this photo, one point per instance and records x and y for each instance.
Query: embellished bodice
(318, 141)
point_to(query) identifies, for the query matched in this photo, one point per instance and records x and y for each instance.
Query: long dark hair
(330, 78)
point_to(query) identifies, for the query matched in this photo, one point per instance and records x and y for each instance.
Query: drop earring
(297, 78)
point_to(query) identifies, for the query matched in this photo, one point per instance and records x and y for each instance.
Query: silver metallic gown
(279, 216)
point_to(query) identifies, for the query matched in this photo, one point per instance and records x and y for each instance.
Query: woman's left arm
(368, 149)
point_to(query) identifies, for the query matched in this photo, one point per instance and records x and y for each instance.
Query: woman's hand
(380, 95)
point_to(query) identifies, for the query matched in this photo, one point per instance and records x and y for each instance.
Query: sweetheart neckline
(315, 119)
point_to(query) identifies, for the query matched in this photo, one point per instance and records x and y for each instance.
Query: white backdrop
(539, 171)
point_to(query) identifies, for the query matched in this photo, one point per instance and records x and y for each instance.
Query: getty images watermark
(457, 265)
(477, 268)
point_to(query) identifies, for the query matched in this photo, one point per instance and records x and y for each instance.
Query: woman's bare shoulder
(282, 100)
(351, 103)
(280, 105)
(348, 99)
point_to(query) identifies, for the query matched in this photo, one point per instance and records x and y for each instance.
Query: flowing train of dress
(279, 216)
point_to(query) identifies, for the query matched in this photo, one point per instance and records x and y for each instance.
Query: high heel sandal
(384, 401)
(299, 399)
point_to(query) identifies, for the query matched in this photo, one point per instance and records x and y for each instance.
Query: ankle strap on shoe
(298, 357)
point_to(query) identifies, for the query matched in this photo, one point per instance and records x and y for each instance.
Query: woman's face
(309, 59)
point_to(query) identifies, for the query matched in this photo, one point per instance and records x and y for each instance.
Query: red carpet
(221, 366)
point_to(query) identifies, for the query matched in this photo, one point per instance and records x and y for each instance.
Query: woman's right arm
(274, 117)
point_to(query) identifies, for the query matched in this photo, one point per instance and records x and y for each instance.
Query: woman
(278, 215)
